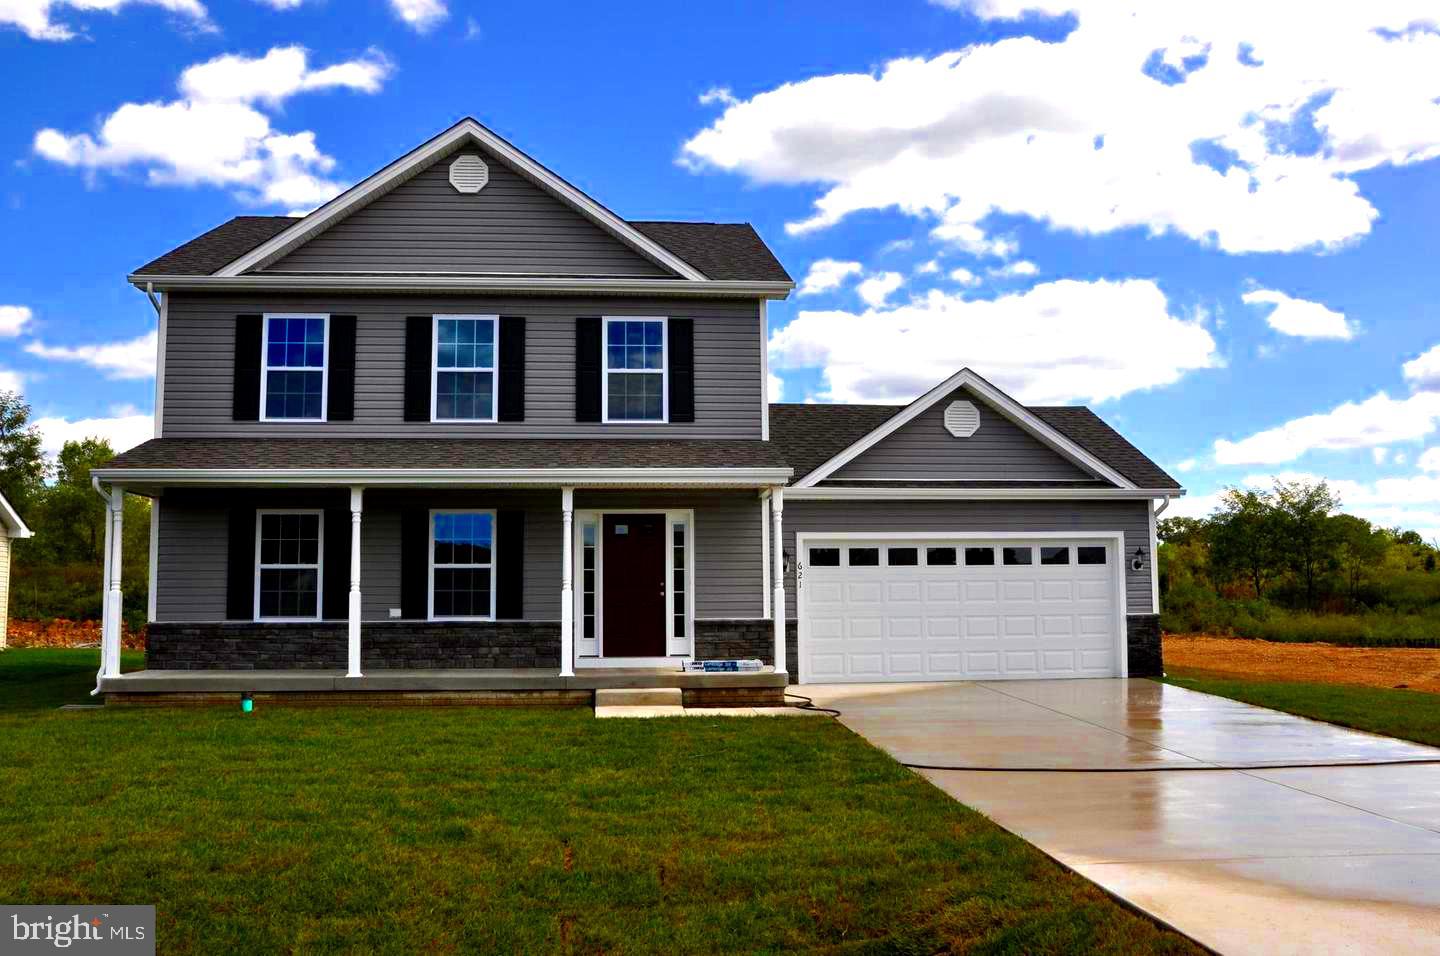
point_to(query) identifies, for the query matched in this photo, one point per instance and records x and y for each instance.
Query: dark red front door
(634, 607)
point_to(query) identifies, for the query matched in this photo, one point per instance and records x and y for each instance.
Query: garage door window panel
(902, 557)
(1090, 554)
(1015, 557)
(824, 557)
(979, 557)
(864, 557)
(1052, 556)
(940, 557)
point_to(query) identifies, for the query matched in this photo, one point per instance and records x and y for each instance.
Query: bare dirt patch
(1417, 668)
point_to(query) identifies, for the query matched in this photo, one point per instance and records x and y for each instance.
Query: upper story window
(634, 382)
(292, 382)
(465, 379)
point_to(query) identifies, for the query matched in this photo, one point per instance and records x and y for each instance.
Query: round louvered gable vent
(469, 174)
(962, 419)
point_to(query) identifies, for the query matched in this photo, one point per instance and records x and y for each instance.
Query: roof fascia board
(11, 518)
(968, 494)
(451, 476)
(998, 400)
(406, 166)
(467, 283)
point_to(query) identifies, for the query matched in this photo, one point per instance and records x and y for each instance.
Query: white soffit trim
(583, 477)
(998, 400)
(797, 493)
(406, 166)
(11, 519)
(439, 282)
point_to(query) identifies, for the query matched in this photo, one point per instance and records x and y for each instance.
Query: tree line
(57, 572)
(1290, 548)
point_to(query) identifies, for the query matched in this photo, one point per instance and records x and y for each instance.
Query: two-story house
(464, 428)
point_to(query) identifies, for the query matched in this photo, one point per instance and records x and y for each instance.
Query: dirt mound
(1413, 667)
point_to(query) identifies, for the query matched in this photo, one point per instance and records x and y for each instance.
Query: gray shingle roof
(208, 253)
(401, 453)
(813, 434)
(720, 250)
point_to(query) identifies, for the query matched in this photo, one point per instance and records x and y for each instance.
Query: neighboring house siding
(1060, 517)
(923, 450)
(4, 583)
(728, 581)
(200, 344)
(511, 226)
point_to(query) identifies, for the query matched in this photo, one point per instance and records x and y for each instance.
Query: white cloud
(964, 276)
(1217, 120)
(131, 359)
(1423, 373)
(422, 15)
(215, 134)
(1194, 506)
(1040, 345)
(897, 245)
(282, 4)
(1378, 420)
(1381, 455)
(13, 319)
(876, 289)
(827, 274)
(928, 268)
(718, 94)
(775, 386)
(1429, 460)
(33, 17)
(1409, 503)
(11, 381)
(1300, 317)
(128, 428)
(1020, 267)
(1188, 465)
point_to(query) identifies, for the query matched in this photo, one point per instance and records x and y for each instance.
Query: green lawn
(1408, 714)
(446, 830)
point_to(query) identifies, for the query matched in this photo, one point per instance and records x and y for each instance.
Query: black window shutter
(336, 585)
(587, 368)
(681, 336)
(510, 565)
(415, 564)
(245, 405)
(418, 355)
(240, 565)
(340, 398)
(512, 369)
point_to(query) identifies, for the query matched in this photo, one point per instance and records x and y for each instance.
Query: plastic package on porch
(711, 667)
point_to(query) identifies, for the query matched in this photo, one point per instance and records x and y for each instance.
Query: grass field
(446, 830)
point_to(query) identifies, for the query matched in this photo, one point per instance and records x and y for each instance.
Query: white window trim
(319, 565)
(265, 365)
(494, 370)
(430, 562)
(605, 370)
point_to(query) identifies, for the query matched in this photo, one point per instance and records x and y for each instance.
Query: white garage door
(947, 609)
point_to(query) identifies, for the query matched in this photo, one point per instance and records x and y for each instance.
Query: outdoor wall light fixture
(1137, 563)
(787, 562)
(247, 703)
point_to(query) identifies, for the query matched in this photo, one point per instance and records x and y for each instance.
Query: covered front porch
(458, 584)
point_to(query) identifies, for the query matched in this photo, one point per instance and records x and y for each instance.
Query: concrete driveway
(1307, 859)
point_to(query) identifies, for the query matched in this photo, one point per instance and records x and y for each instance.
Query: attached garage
(902, 607)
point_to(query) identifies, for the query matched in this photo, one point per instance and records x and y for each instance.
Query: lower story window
(287, 564)
(462, 564)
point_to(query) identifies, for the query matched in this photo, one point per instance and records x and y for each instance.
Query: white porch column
(567, 583)
(777, 568)
(110, 625)
(356, 498)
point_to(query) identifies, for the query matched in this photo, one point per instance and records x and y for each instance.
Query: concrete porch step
(639, 697)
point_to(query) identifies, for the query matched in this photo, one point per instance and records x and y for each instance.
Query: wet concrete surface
(1315, 859)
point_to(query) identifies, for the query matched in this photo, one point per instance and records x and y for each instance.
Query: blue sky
(1218, 231)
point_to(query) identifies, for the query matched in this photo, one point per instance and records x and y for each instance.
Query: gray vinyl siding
(511, 226)
(923, 450)
(200, 347)
(192, 560)
(998, 517)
